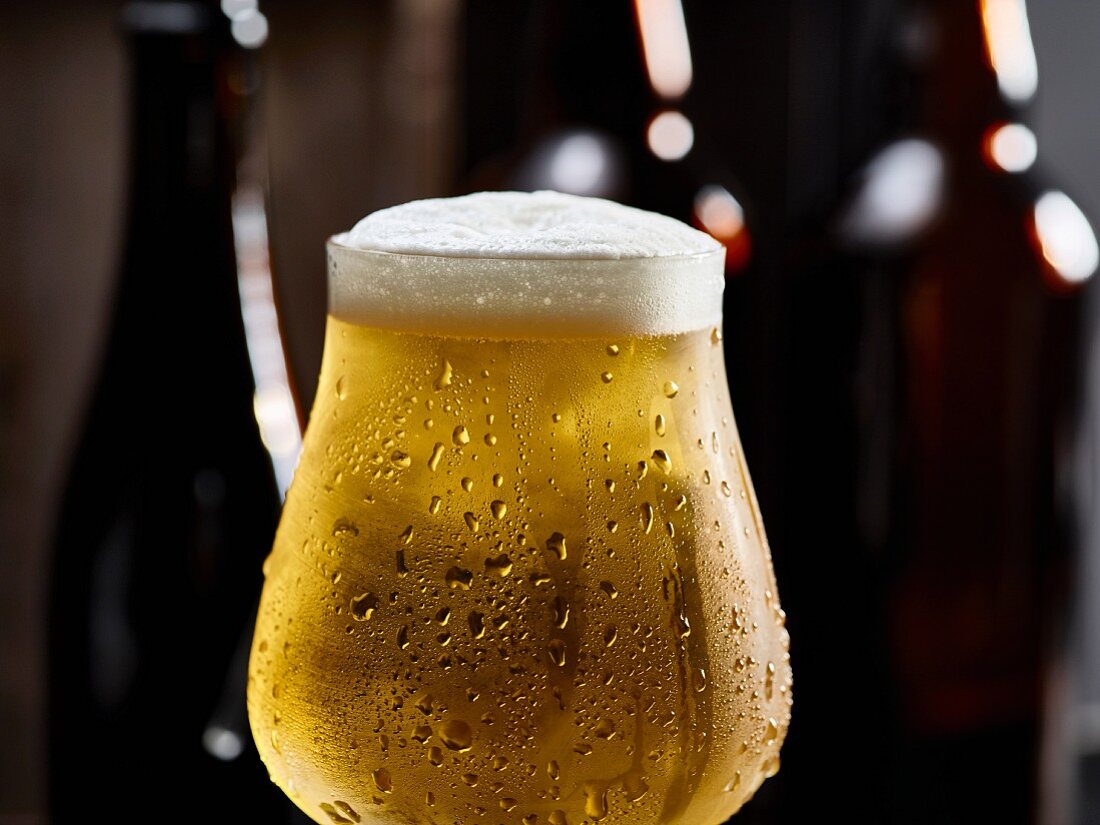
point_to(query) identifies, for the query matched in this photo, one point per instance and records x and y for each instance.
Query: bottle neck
(975, 67)
(181, 159)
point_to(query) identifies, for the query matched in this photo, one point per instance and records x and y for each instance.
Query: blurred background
(905, 188)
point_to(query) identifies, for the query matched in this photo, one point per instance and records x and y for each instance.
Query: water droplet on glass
(595, 800)
(461, 436)
(443, 615)
(734, 783)
(498, 480)
(557, 818)
(435, 756)
(610, 589)
(607, 377)
(436, 456)
(490, 439)
(457, 736)
(477, 624)
(699, 679)
(406, 535)
(435, 504)
(383, 781)
(671, 389)
(467, 483)
(610, 485)
(555, 417)
(363, 606)
(446, 374)
(553, 771)
(400, 459)
(342, 387)
(422, 733)
(403, 637)
(771, 731)
(604, 729)
(612, 349)
(659, 425)
(647, 516)
(342, 527)
(507, 803)
(556, 649)
(663, 462)
(501, 565)
(556, 544)
(726, 489)
(561, 612)
(471, 521)
(498, 508)
(459, 579)
(610, 634)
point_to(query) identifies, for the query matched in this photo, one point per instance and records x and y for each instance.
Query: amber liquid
(520, 581)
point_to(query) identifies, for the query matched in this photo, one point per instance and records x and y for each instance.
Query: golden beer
(520, 578)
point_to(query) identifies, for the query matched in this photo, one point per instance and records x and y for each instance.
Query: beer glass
(521, 575)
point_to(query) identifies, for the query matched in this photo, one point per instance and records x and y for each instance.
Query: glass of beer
(521, 575)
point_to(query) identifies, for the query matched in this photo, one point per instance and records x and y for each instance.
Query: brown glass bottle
(932, 412)
(171, 501)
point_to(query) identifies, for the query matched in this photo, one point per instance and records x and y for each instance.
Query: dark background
(367, 104)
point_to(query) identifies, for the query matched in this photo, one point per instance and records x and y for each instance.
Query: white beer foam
(533, 265)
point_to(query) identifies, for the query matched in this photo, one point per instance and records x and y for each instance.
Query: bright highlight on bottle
(670, 135)
(1065, 237)
(1009, 48)
(1011, 147)
(665, 45)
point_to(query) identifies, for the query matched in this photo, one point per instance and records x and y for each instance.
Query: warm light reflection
(899, 195)
(670, 135)
(249, 28)
(665, 45)
(718, 213)
(273, 403)
(1009, 48)
(1065, 238)
(1011, 147)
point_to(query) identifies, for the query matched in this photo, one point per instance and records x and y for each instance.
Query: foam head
(539, 264)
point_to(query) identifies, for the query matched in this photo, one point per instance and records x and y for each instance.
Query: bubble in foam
(539, 264)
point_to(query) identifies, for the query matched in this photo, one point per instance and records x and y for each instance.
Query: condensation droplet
(556, 544)
(383, 781)
(553, 771)
(699, 679)
(471, 521)
(403, 637)
(671, 388)
(436, 456)
(498, 508)
(477, 624)
(734, 783)
(446, 374)
(605, 729)
(342, 387)
(561, 612)
(610, 634)
(490, 439)
(458, 578)
(498, 480)
(363, 606)
(663, 462)
(659, 425)
(595, 800)
(557, 818)
(610, 485)
(457, 735)
(612, 349)
(435, 756)
(610, 589)
(406, 535)
(556, 649)
(399, 563)
(769, 681)
(607, 377)
(422, 733)
(461, 436)
(647, 516)
(501, 565)
(467, 484)
(771, 731)
(400, 459)
(435, 505)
